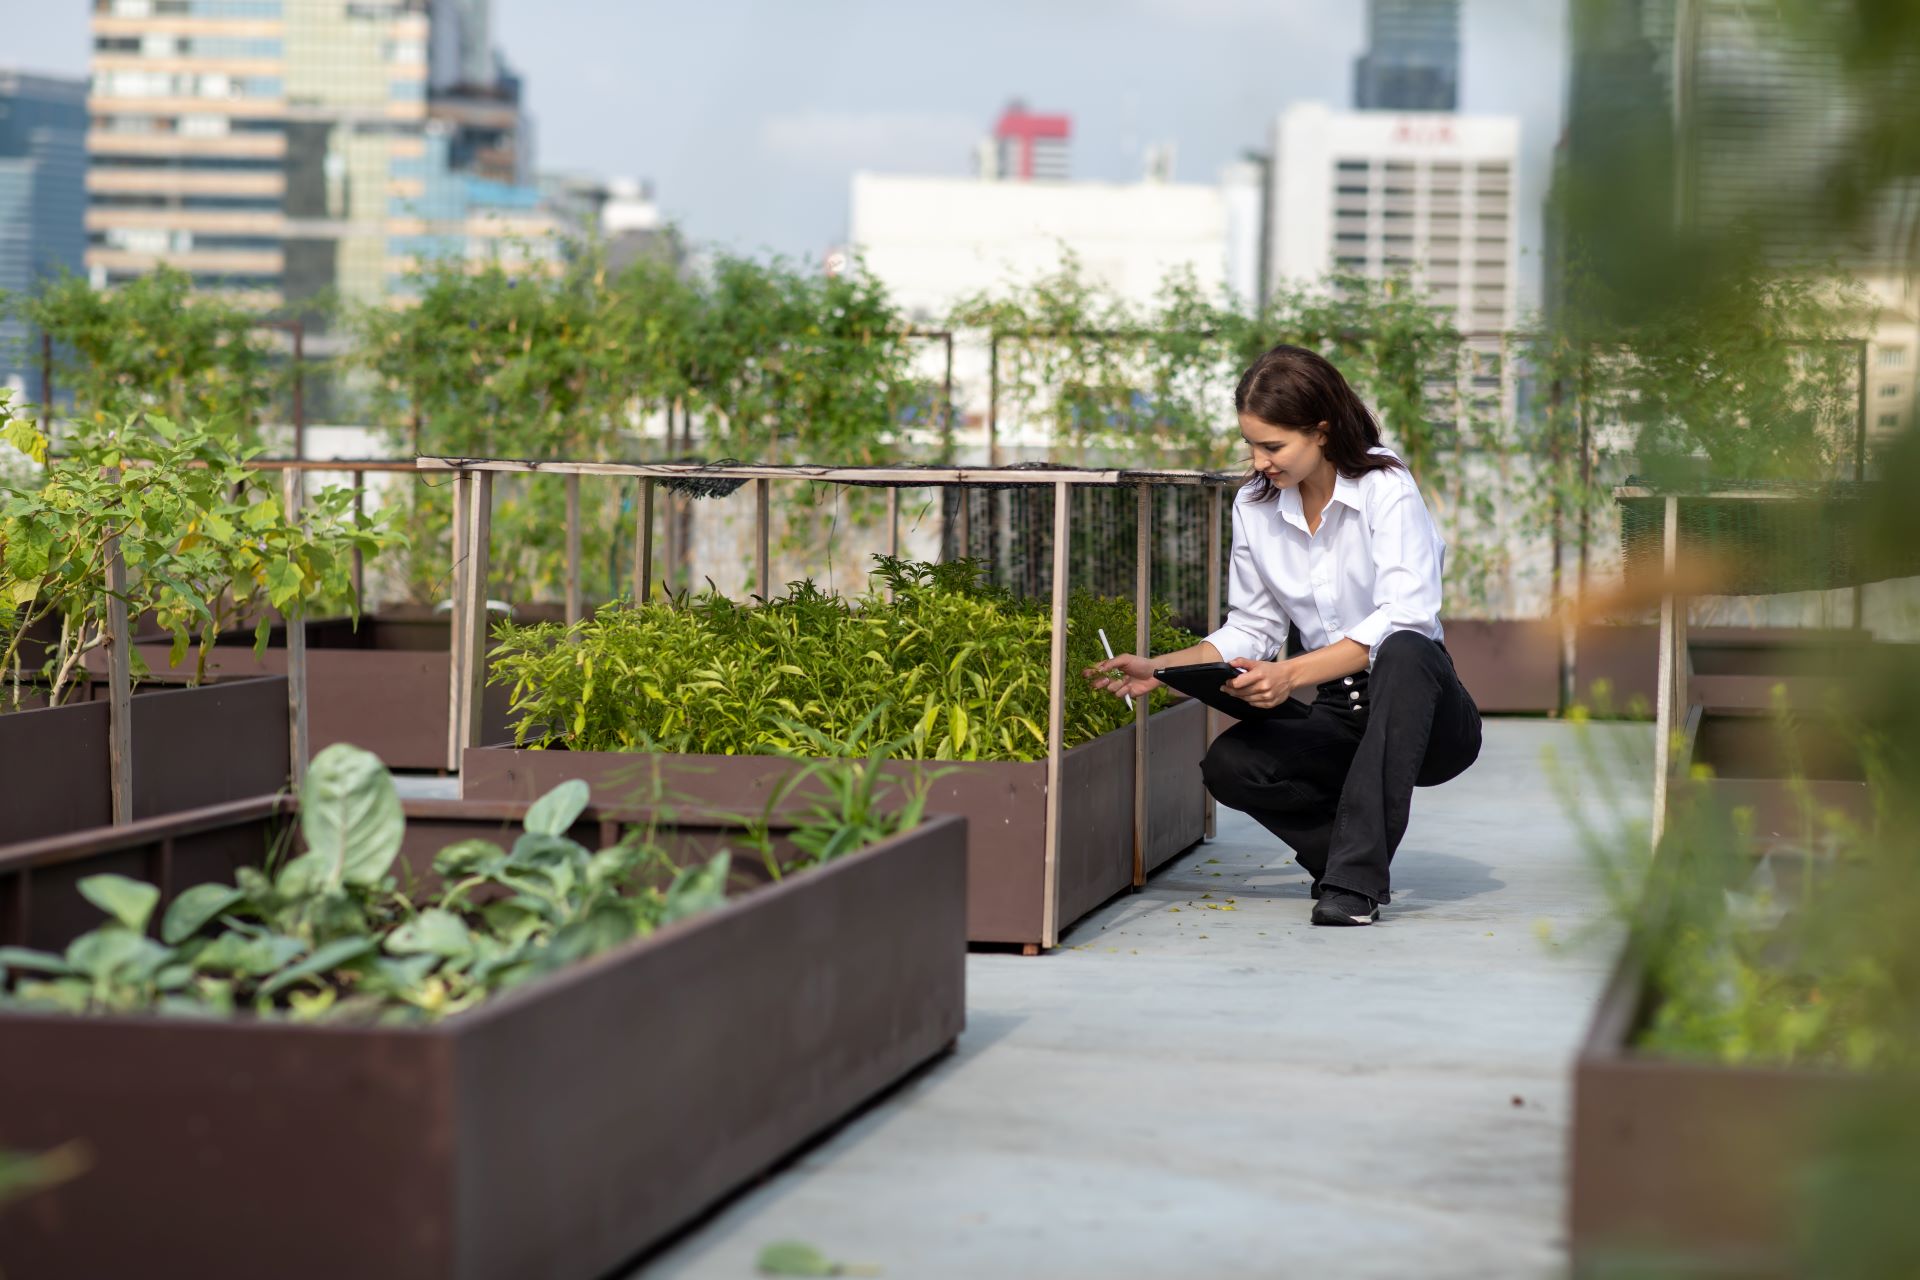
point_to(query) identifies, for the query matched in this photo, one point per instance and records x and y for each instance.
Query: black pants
(1336, 781)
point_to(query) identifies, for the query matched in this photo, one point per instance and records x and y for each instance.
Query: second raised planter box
(1005, 804)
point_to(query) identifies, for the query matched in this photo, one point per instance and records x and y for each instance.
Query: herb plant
(331, 934)
(206, 543)
(927, 660)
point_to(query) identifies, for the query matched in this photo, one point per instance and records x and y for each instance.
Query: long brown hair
(1299, 389)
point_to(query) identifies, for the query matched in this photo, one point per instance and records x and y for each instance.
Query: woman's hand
(1123, 675)
(1264, 684)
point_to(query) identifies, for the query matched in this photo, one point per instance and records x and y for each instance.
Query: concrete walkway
(1201, 1085)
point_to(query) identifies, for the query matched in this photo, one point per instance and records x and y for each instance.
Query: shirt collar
(1346, 490)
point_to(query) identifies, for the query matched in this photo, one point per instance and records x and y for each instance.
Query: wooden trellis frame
(473, 502)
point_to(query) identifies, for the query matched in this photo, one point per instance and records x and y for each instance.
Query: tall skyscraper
(1412, 62)
(1431, 196)
(1691, 120)
(43, 195)
(282, 148)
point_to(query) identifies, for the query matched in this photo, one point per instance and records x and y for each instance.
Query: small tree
(205, 541)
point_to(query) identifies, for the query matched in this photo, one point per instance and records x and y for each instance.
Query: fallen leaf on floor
(1206, 895)
(1518, 1101)
(794, 1258)
(1175, 910)
(1213, 862)
(1203, 935)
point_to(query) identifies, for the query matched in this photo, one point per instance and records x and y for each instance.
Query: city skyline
(750, 143)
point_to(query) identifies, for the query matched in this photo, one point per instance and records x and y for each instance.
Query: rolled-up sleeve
(1256, 625)
(1406, 573)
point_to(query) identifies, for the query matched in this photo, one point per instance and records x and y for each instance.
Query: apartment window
(1893, 357)
(1350, 191)
(407, 90)
(1399, 238)
(1400, 191)
(1888, 390)
(1353, 166)
(116, 44)
(1349, 260)
(1397, 215)
(1889, 420)
(1352, 237)
(203, 126)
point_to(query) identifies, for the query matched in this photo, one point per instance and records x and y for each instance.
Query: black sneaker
(1344, 907)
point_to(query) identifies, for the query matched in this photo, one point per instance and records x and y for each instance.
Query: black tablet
(1202, 680)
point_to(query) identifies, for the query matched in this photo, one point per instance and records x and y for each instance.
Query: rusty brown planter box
(384, 685)
(556, 1130)
(191, 747)
(1689, 1163)
(1004, 804)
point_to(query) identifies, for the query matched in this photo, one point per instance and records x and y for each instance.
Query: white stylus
(1109, 649)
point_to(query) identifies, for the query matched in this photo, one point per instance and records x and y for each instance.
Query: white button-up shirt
(1372, 568)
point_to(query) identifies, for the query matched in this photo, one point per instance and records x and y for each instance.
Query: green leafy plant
(329, 933)
(154, 344)
(927, 660)
(205, 542)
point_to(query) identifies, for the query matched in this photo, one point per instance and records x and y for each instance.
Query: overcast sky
(750, 116)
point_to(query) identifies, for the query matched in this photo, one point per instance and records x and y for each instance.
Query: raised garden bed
(1004, 804)
(557, 1129)
(191, 747)
(384, 685)
(1690, 1165)
(1755, 759)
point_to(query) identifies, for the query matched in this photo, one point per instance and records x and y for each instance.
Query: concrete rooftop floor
(1200, 1084)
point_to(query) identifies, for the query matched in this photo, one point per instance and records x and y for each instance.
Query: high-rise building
(1429, 196)
(282, 148)
(1725, 118)
(1412, 62)
(43, 164)
(1027, 146)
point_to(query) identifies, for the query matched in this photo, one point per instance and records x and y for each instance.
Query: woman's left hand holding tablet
(1264, 684)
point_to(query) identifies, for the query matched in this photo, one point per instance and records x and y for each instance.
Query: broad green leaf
(189, 913)
(25, 960)
(698, 888)
(129, 901)
(554, 813)
(350, 816)
(468, 857)
(332, 956)
(115, 954)
(432, 932)
(237, 953)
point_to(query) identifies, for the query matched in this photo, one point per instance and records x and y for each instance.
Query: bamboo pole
(643, 546)
(1214, 502)
(1142, 645)
(573, 549)
(463, 482)
(359, 556)
(474, 666)
(1056, 720)
(292, 486)
(119, 687)
(762, 530)
(1668, 714)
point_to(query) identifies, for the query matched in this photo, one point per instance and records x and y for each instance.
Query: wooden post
(474, 666)
(573, 548)
(359, 556)
(119, 687)
(1142, 645)
(893, 523)
(292, 482)
(456, 624)
(643, 546)
(1668, 714)
(1214, 503)
(762, 531)
(1056, 720)
(299, 330)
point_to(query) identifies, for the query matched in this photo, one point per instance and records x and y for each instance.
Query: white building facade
(1429, 195)
(934, 241)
